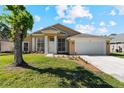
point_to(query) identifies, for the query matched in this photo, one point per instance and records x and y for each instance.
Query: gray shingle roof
(117, 38)
(88, 35)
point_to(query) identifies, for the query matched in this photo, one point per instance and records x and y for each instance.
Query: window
(25, 47)
(51, 39)
(61, 45)
(40, 44)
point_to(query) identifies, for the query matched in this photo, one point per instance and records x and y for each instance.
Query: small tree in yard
(19, 21)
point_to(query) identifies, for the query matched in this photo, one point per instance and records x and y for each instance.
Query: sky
(91, 19)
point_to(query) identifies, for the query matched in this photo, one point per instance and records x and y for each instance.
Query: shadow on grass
(77, 78)
(5, 54)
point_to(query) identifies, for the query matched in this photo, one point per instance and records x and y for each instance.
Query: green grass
(51, 72)
(121, 55)
(2, 54)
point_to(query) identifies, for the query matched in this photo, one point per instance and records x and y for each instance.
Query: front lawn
(121, 55)
(51, 72)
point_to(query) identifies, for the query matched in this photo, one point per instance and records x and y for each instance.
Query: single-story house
(6, 45)
(117, 43)
(59, 39)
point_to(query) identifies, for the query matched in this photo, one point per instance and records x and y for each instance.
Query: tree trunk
(18, 59)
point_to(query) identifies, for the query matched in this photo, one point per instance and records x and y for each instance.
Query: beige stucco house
(6, 46)
(59, 39)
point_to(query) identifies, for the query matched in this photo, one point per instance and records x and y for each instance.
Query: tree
(19, 21)
(4, 31)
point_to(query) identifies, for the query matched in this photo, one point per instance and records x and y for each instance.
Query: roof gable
(59, 27)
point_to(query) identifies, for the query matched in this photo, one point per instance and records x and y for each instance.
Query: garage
(90, 44)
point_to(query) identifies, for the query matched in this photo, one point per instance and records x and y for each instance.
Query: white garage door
(90, 46)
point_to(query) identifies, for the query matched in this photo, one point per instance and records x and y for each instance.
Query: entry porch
(50, 44)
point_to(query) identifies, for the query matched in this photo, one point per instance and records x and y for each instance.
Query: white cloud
(112, 23)
(47, 8)
(72, 12)
(113, 13)
(120, 9)
(109, 23)
(102, 23)
(102, 30)
(79, 12)
(68, 21)
(85, 28)
(37, 18)
(61, 10)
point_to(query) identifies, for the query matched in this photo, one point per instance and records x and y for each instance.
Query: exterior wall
(76, 46)
(90, 46)
(66, 46)
(71, 47)
(107, 47)
(7, 46)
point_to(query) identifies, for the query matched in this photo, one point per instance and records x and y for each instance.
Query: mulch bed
(87, 65)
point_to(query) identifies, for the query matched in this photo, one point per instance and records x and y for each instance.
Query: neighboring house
(59, 39)
(117, 43)
(6, 45)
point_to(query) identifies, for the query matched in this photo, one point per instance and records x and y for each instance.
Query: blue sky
(93, 19)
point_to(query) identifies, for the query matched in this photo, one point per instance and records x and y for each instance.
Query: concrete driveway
(111, 65)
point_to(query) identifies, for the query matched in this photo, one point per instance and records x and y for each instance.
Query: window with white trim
(61, 45)
(25, 47)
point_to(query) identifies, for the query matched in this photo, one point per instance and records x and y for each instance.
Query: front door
(51, 45)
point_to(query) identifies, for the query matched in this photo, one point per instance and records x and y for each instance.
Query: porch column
(55, 44)
(46, 44)
(36, 45)
(33, 44)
